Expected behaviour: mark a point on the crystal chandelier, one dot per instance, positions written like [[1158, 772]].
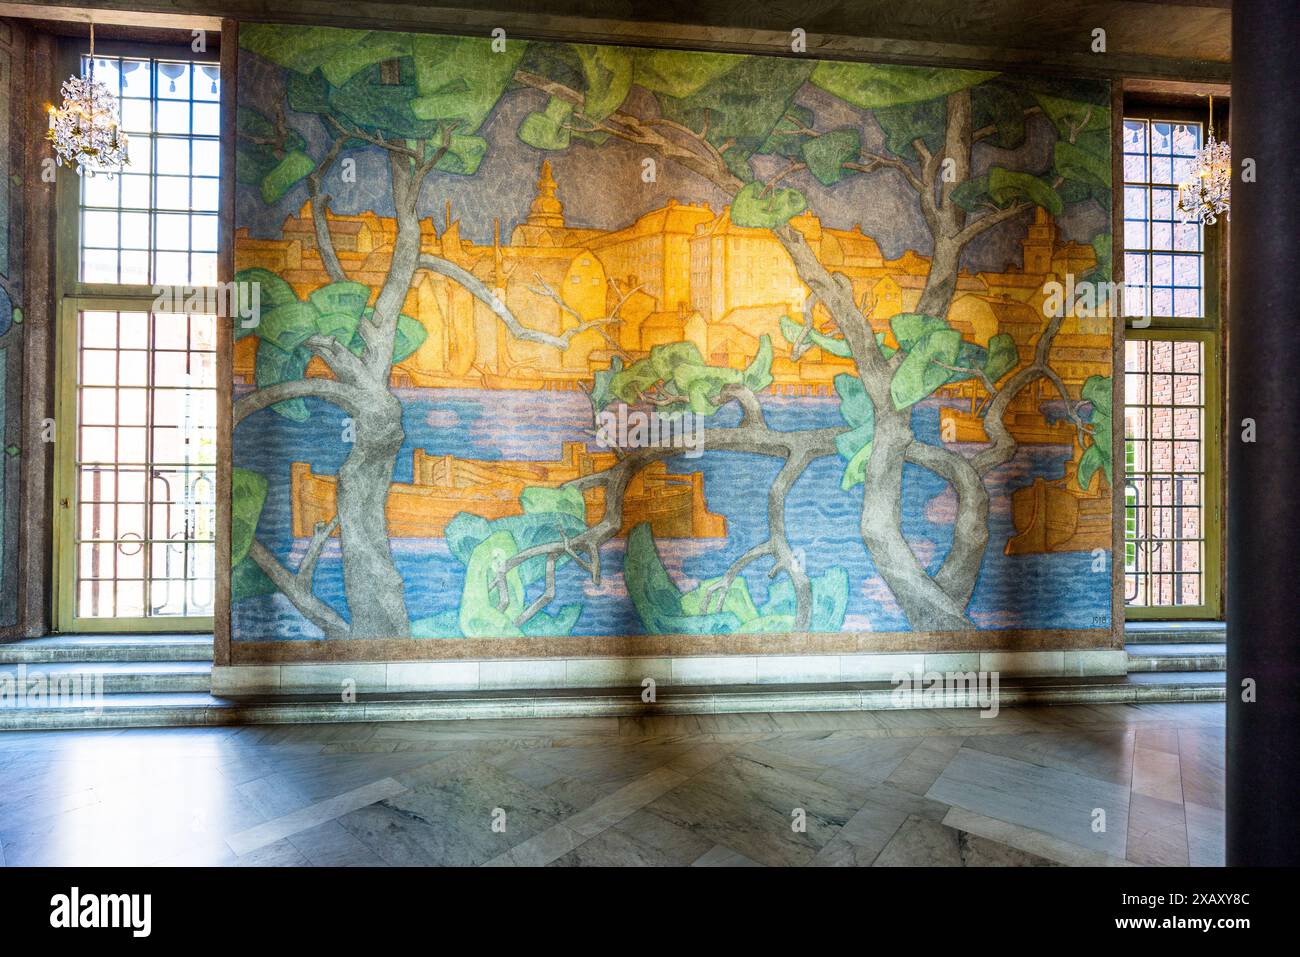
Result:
[[1208, 191], [84, 130]]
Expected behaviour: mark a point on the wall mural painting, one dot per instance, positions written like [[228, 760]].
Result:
[[563, 339]]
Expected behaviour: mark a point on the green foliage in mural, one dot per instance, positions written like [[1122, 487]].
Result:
[[871, 86], [550, 515], [764, 132], [247, 498], [678, 379], [481, 615], [334, 310], [421, 89], [759, 207], [936, 355], [1097, 390], [859, 414], [796, 331], [665, 609], [826, 155]]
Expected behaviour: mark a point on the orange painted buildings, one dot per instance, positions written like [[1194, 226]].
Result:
[[682, 272]]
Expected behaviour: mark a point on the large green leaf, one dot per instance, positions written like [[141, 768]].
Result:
[[553, 626], [548, 130], [1097, 390], [856, 465], [827, 154], [668, 357], [1010, 186], [466, 532], [608, 73], [273, 366], [460, 79], [308, 92], [909, 328], [855, 404], [854, 446], [247, 497], [288, 326], [922, 371], [410, 335], [1001, 104], [1102, 246], [704, 600], [287, 174], [338, 325], [262, 147], [871, 86], [247, 580], [830, 601], [539, 499], [758, 207], [1077, 163], [972, 194], [1068, 113], [702, 385], [272, 291], [338, 53], [758, 374], [680, 73], [345, 297], [656, 599], [1003, 356], [653, 593], [631, 383], [357, 53], [463, 156], [792, 331], [375, 105], [1092, 460], [743, 105], [788, 136], [602, 392], [904, 125], [479, 615]]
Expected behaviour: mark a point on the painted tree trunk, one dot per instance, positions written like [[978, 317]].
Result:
[[372, 583], [941, 283], [927, 606], [375, 592]]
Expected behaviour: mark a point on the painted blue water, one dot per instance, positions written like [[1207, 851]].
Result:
[[1024, 591]]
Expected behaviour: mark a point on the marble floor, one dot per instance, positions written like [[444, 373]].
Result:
[[1071, 785]]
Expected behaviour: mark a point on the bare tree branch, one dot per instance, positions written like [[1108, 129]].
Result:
[[328, 389], [320, 206], [480, 291], [313, 609]]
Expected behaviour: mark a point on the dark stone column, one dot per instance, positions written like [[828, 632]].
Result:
[[1263, 554]]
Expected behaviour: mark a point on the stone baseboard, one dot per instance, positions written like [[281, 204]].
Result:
[[555, 673]]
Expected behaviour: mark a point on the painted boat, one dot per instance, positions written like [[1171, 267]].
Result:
[[958, 425], [1058, 516], [443, 486]]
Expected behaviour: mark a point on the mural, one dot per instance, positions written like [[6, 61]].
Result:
[[559, 339]]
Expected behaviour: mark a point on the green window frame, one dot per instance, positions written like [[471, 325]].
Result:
[[165, 123], [1150, 170]]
